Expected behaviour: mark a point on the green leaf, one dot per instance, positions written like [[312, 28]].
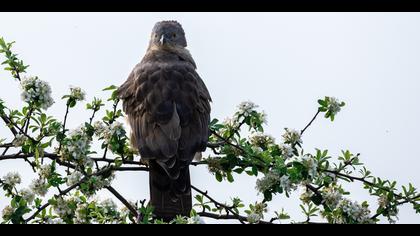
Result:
[[229, 176], [112, 87], [219, 177], [322, 102], [254, 170]]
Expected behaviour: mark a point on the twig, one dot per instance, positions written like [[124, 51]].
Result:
[[399, 203], [25, 126], [5, 151], [8, 123], [64, 125], [236, 216], [123, 200], [310, 122]]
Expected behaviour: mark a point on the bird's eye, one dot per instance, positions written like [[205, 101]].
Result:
[[173, 35]]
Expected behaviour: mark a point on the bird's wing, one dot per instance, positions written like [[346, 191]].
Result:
[[151, 113], [194, 110], [168, 110]]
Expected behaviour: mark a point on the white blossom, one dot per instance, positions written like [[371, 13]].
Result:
[[99, 128], [39, 187], [306, 196], [286, 184], [311, 164], [270, 179], [246, 108], [286, 150], [61, 208], [27, 194], [108, 205], [45, 171], [253, 218], [256, 213], [383, 201], [99, 182], [74, 178], [292, 136], [12, 179], [334, 105], [263, 117], [107, 132], [81, 214], [54, 221], [36, 91], [260, 139], [7, 212], [331, 197], [355, 211], [195, 220], [77, 146], [77, 93], [19, 140], [230, 122], [117, 128]]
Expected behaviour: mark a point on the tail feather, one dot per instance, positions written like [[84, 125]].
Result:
[[169, 197]]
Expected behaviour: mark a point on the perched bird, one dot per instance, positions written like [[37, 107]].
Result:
[[168, 109]]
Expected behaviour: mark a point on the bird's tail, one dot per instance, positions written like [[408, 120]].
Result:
[[169, 196]]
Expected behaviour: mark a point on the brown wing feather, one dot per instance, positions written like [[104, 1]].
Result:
[[169, 111]]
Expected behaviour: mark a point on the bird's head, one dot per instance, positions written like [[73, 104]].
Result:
[[168, 34]]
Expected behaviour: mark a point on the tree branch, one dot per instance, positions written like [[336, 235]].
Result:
[[123, 200], [310, 123]]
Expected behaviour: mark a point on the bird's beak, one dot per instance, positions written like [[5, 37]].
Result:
[[161, 39]]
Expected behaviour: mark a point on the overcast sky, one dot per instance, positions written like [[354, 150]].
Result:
[[283, 62]]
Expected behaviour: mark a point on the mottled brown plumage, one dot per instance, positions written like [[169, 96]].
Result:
[[168, 108]]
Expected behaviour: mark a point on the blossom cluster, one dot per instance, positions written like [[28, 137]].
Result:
[[77, 93], [292, 136], [331, 196], [28, 195], [12, 179], [310, 164], [287, 151], [116, 129], [76, 146], [286, 184], [61, 207], [334, 105], [392, 211], [7, 212], [19, 140], [260, 139], [256, 212], [246, 108], [356, 212], [74, 178], [272, 179], [37, 92], [267, 182], [39, 186], [95, 183], [45, 171]]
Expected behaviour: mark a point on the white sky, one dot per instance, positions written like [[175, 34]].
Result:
[[282, 61]]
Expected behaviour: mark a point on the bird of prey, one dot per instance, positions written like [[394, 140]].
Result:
[[168, 109]]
